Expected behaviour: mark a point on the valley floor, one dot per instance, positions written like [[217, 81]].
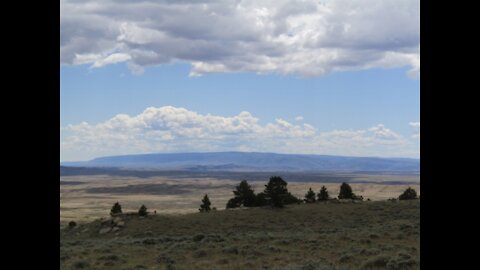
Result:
[[86, 198]]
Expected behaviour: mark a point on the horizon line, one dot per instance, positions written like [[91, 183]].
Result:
[[243, 152]]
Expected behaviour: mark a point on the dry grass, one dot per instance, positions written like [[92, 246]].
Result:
[[81, 200], [366, 235]]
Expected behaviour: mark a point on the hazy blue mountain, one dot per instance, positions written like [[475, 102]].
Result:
[[251, 161]]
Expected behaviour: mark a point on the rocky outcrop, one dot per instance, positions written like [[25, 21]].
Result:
[[112, 225]]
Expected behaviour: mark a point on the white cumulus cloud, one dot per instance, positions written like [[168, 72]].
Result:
[[302, 37], [416, 128], [174, 129], [111, 59], [414, 124]]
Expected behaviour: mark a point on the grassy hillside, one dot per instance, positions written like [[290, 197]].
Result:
[[364, 235]]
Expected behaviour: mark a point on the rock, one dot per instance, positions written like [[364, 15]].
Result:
[[121, 223], [117, 220], [105, 230], [115, 229]]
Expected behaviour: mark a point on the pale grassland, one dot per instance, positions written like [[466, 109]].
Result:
[[181, 196]]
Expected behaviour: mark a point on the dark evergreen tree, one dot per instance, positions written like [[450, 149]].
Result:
[[310, 196], [244, 195], [346, 192], [276, 191], [72, 224], [408, 194], [233, 203], [261, 199], [142, 211], [289, 199], [323, 194], [205, 206], [116, 209]]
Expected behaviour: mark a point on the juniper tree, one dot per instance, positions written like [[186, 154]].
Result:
[[346, 192], [323, 194], [142, 211], [233, 203], [244, 195], [289, 199], [205, 206], [261, 199], [116, 209], [408, 194], [310, 196], [276, 191]]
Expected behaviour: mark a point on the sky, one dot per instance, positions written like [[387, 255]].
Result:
[[338, 77]]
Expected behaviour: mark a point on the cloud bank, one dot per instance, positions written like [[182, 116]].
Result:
[[301, 37], [416, 128], [173, 129]]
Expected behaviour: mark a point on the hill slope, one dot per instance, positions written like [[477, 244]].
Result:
[[252, 161], [366, 235]]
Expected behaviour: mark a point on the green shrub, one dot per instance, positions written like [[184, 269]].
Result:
[[355, 197], [401, 261], [323, 194], [310, 196], [376, 262], [199, 254], [310, 265], [142, 211], [198, 237], [81, 265], [112, 257], [116, 209], [205, 206], [408, 194], [230, 250], [148, 241]]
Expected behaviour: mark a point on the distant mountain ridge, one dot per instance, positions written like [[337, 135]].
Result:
[[251, 161]]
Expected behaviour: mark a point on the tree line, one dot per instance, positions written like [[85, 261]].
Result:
[[275, 194]]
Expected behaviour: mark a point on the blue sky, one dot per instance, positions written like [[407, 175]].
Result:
[[340, 100], [137, 92]]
